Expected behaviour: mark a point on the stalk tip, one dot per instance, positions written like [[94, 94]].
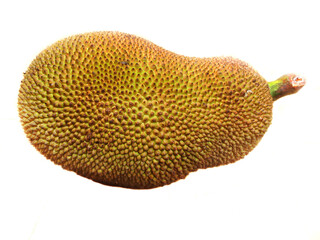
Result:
[[286, 85]]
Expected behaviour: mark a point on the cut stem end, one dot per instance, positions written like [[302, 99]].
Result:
[[286, 85]]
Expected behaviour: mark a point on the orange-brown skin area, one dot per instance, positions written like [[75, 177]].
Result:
[[122, 111]]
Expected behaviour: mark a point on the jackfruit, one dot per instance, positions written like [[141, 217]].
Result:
[[122, 111]]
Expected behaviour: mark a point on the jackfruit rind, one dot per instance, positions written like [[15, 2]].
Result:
[[122, 111]]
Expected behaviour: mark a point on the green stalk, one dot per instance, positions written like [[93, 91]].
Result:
[[285, 85]]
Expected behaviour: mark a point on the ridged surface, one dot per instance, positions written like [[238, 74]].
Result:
[[122, 111]]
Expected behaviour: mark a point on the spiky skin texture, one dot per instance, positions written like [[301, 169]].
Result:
[[119, 110]]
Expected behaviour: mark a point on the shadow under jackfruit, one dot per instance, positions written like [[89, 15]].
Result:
[[119, 110]]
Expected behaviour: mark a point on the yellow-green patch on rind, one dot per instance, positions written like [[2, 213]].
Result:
[[122, 111]]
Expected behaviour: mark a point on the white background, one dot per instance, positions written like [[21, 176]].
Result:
[[271, 194]]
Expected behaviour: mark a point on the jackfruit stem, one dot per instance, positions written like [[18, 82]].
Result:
[[286, 85]]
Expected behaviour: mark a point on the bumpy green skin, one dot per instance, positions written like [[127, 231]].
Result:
[[122, 111]]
